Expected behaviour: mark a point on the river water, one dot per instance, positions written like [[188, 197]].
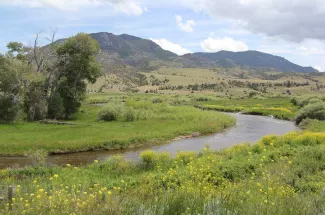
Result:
[[248, 129]]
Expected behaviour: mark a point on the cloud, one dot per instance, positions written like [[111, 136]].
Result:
[[173, 47], [318, 68], [129, 7], [227, 44], [187, 26], [293, 20]]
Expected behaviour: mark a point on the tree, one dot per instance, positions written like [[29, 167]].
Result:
[[49, 81], [34, 101], [18, 50], [76, 64], [11, 82]]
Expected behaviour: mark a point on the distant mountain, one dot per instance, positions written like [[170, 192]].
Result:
[[127, 52], [130, 50], [253, 59]]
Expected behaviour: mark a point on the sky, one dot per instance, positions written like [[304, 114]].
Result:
[[293, 29]]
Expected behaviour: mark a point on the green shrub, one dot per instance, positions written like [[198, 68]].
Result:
[[157, 100], [148, 157], [314, 101], [302, 101], [312, 111], [110, 113], [130, 114]]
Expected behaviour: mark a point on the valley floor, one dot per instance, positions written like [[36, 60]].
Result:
[[277, 175]]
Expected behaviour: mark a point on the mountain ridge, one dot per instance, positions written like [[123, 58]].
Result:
[[133, 52]]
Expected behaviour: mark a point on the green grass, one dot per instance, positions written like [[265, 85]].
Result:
[[267, 102], [280, 108], [278, 175], [161, 123]]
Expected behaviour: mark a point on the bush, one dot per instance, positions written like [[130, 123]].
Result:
[[130, 114], [110, 113], [37, 157], [302, 101], [312, 111], [148, 157], [157, 100], [314, 101]]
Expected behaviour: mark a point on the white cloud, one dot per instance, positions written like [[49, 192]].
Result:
[[318, 68], [186, 26], [293, 20], [173, 47], [227, 44], [129, 7], [306, 53]]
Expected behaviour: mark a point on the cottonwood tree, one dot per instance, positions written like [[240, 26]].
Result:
[[75, 64]]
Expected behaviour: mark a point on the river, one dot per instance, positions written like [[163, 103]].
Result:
[[248, 128]]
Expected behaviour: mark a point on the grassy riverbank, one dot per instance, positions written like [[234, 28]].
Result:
[[278, 175], [152, 122], [280, 108]]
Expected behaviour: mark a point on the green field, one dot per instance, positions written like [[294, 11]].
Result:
[[157, 124]]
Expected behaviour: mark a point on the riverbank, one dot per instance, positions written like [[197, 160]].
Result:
[[278, 175], [241, 132], [158, 123]]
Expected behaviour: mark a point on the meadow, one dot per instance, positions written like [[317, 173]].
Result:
[[150, 123], [277, 175]]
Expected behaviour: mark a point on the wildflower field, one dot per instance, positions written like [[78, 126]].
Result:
[[278, 175]]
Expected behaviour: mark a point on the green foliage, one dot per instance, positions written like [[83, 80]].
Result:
[[314, 101], [34, 99], [110, 113], [77, 64], [148, 157], [313, 125], [312, 111], [55, 107], [11, 85], [157, 100], [18, 50], [130, 114], [9, 110], [302, 101]]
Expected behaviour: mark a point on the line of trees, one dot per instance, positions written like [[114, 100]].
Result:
[[46, 82]]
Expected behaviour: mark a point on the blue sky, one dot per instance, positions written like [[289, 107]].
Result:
[[292, 29]]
